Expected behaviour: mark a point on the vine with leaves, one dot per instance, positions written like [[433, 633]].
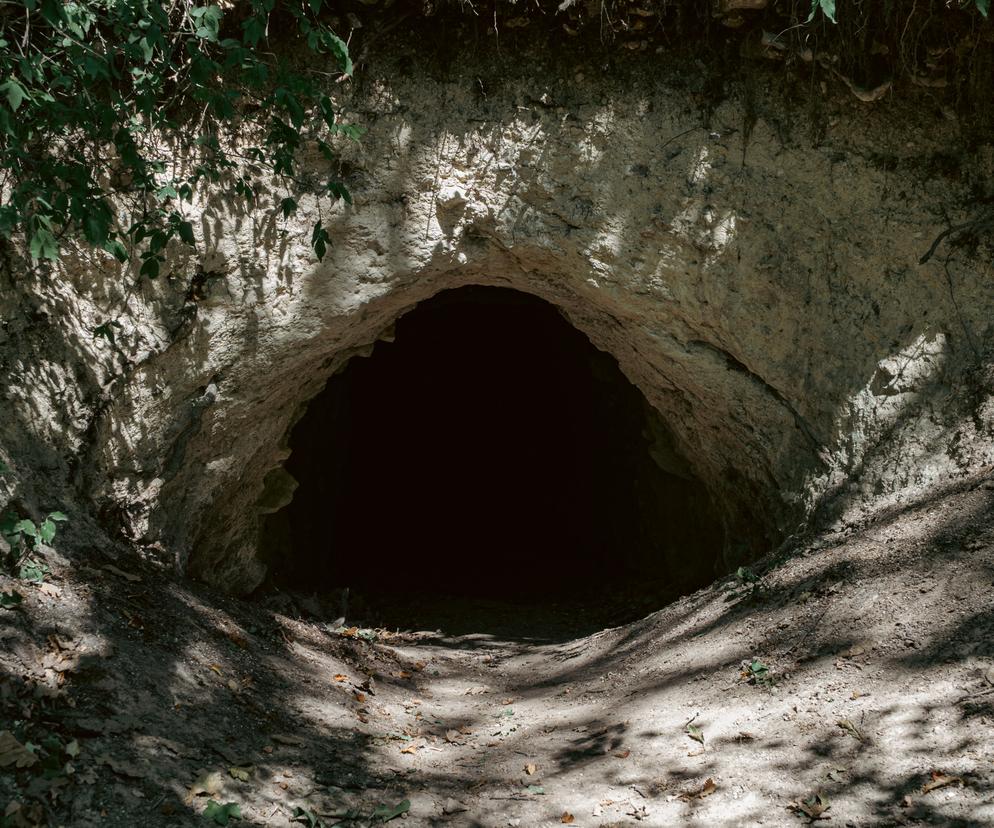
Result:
[[99, 98]]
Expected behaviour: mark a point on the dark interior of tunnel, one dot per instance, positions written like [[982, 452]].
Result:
[[489, 451]]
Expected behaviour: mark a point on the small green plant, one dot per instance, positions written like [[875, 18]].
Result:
[[222, 814], [308, 818], [25, 539], [10, 600], [757, 673], [827, 7]]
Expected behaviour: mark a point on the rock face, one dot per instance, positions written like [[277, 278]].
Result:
[[760, 287]]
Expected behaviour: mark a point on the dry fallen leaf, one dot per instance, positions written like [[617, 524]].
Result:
[[237, 638], [813, 806], [836, 774], [475, 691], [14, 753], [340, 677], [567, 818], [623, 754], [708, 788], [121, 767], [128, 576], [359, 697], [530, 769], [215, 667], [940, 780], [241, 774], [409, 749], [403, 674], [454, 737]]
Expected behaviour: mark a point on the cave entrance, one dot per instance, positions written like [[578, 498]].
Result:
[[489, 452]]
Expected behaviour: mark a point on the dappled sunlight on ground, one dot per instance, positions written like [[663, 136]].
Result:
[[858, 666]]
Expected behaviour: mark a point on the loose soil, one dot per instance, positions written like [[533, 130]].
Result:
[[858, 666]]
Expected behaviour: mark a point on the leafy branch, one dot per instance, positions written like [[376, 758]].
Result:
[[100, 99]]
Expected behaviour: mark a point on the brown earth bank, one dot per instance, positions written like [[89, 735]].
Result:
[[849, 680], [772, 290]]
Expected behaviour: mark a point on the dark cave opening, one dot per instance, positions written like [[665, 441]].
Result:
[[489, 451]]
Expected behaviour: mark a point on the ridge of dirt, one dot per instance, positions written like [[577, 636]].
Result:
[[859, 668]]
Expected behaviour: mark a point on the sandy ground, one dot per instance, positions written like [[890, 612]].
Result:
[[857, 667]]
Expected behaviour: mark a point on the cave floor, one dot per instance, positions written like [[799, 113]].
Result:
[[858, 667]]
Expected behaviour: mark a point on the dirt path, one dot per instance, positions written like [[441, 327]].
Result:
[[860, 667]]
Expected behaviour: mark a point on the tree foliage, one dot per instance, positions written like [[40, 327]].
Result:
[[114, 112]]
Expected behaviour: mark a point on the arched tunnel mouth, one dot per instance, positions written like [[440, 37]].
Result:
[[488, 460]]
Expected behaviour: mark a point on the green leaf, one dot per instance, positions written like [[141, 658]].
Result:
[[384, 813], [46, 531], [26, 527], [150, 267], [338, 190], [15, 93], [186, 233], [340, 50], [106, 330], [222, 814], [116, 249], [695, 733], [319, 240], [33, 571], [307, 817], [350, 131], [288, 206], [827, 7], [44, 245], [95, 228], [983, 6], [58, 516], [10, 600]]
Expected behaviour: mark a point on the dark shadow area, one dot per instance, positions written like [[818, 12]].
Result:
[[490, 451]]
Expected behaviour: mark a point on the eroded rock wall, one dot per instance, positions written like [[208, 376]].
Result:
[[761, 287]]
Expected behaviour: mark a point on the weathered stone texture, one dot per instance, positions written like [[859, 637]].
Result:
[[768, 303]]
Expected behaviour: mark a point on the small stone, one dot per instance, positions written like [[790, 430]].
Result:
[[452, 806]]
